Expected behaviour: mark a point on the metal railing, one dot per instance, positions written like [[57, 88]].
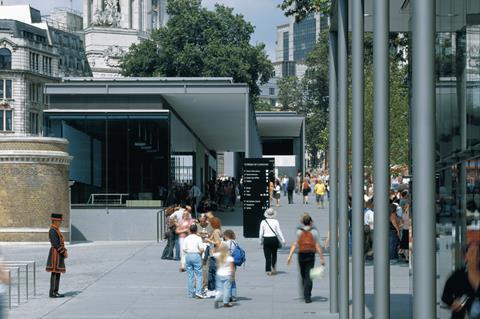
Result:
[[106, 199], [18, 265], [161, 224]]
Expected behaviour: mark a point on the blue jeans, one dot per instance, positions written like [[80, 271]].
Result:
[[193, 265], [177, 247], [223, 289]]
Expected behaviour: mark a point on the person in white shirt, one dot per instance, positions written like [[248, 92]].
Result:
[[368, 228], [193, 248], [271, 237], [225, 270]]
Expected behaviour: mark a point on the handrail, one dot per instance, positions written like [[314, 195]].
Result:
[[117, 201], [10, 283], [34, 271], [160, 224]]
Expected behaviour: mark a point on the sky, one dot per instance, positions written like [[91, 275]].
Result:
[[263, 14]]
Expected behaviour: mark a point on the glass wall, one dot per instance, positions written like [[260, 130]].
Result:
[[458, 135], [117, 156], [304, 37]]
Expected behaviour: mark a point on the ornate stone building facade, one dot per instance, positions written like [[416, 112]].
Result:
[[32, 53], [112, 26]]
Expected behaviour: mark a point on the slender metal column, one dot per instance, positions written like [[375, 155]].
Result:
[[333, 182], [343, 158], [423, 159], [358, 262], [381, 136]]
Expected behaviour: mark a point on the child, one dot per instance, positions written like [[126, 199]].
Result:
[[229, 237], [224, 276]]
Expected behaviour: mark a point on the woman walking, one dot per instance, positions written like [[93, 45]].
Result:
[[225, 270], [305, 190], [271, 237], [307, 243]]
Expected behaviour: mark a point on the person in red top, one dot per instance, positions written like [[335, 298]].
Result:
[[56, 255]]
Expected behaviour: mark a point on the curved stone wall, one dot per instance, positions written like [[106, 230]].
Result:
[[33, 184]]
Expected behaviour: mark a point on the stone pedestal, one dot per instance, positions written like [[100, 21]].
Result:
[[34, 174]]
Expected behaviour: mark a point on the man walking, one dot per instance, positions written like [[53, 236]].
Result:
[[308, 243], [56, 255], [290, 189]]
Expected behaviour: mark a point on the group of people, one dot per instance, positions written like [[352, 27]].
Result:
[[204, 252], [307, 243], [399, 226], [318, 183], [210, 259]]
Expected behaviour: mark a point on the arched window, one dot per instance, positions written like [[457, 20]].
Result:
[[5, 59]]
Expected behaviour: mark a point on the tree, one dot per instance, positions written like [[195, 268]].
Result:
[[198, 42], [301, 8]]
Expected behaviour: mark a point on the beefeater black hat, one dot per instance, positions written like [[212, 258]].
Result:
[[57, 217]]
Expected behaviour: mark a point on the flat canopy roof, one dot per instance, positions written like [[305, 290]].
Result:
[[214, 108], [279, 124]]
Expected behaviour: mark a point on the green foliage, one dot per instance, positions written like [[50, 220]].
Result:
[[262, 106], [301, 8], [198, 42]]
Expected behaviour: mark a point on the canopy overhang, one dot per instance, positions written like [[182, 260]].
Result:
[[215, 109]]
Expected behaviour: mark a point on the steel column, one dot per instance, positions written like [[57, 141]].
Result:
[[381, 147], [358, 262], [423, 159], [343, 158], [332, 166]]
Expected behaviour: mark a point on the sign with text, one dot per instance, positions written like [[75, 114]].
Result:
[[256, 174]]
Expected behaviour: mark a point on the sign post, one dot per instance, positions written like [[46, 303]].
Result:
[[256, 174]]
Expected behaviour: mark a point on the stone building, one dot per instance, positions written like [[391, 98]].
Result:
[[32, 53], [112, 26]]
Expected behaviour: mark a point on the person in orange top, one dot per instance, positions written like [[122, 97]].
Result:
[[56, 255]]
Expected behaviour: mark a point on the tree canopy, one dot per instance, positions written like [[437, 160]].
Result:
[[198, 42]]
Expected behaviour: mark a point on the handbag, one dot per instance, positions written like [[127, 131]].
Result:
[[279, 243]]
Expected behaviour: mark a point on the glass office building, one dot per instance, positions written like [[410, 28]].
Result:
[[457, 63]]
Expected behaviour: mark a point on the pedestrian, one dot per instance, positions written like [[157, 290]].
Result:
[[170, 237], [56, 255], [193, 248], [229, 240], [461, 291], [194, 194], [214, 242], [305, 190], [225, 270], [320, 191], [290, 189], [182, 230], [271, 237], [277, 191], [285, 185], [394, 231], [307, 243]]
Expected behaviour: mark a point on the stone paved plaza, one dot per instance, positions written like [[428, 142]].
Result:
[[129, 280]]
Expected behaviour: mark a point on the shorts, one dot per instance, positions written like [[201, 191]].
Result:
[[319, 198], [277, 195]]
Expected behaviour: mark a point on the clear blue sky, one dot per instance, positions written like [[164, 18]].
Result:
[[263, 14]]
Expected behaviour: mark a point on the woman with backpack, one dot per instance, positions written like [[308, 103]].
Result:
[[271, 237], [229, 239], [308, 243], [305, 190]]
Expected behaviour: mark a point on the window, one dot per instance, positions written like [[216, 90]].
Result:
[[271, 91], [34, 123], [273, 102], [35, 92], [5, 59], [6, 118], [33, 59], [5, 89], [47, 65]]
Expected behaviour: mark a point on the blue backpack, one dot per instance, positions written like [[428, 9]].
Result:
[[238, 254]]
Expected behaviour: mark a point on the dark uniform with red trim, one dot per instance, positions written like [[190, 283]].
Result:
[[56, 256]]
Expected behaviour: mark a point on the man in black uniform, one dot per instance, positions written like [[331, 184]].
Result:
[[56, 256]]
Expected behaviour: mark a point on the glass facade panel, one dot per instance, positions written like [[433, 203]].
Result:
[[457, 136], [117, 157], [8, 120], [304, 36], [286, 52]]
